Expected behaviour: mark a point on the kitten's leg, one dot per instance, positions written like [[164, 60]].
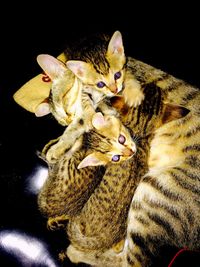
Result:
[[132, 91], [48, 145], [69, 137], [73, 131]]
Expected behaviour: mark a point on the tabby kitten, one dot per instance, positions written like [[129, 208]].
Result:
[[165, 208], [100, 228], [69, 184], [100, 72]]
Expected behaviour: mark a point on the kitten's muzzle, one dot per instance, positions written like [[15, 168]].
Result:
[[127, 152], [113, 88]]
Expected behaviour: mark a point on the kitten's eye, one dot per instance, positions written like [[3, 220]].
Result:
[[101, 84], [116, 158], [117, 75], [122, 139]]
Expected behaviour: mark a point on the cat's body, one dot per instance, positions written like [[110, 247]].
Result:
[[99, 68], [69, 183], [165, 208]]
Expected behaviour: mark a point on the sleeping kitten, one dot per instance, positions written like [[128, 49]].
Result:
[[69, 183]]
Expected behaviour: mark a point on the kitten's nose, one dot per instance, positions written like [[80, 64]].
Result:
[[128, 152], [113, 88]]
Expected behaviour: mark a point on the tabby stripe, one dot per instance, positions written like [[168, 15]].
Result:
[[193, 132], [193, 161], [190, 96], [70, 163], [138, 115], [184, 184], [174, 85], [188, 173], [140, 259], [141, 220], [140, 241], [163, 223], [195, 147], [150, 180], [129, 260], [136, 205], [190, 217], [168, 209], [163, 77]]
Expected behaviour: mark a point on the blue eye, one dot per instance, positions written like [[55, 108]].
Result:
[[100, 84], [116, 158], [117, 75], [122, 139]]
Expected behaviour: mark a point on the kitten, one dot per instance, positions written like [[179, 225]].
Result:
[[69, 183], [100, 61], [100, 71], [71, 103], [165, 206]]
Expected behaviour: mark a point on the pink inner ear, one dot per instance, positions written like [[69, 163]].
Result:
[[116, 44], [77, 67], [90, 160], [50, 65], [42, 110], [98, 120]]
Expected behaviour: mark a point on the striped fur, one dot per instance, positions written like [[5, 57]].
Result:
[[165, 208], [68, 186]]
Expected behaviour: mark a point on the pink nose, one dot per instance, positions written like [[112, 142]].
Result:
[[128, 152], [113, 88]]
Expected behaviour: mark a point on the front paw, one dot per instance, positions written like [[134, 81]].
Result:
[[56, 152], [133, 94]]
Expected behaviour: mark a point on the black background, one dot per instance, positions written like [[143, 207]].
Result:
[[165, 35]]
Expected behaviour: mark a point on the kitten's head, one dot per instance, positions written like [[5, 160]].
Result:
[[110, 141], [106, 72], [62, 82]]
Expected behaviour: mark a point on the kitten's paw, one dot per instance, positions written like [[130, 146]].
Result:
[[133, 94], [56, 152], [62, 256], [57, 222], [48, 146]]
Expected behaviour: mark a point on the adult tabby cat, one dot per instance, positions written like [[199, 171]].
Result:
[[99, 68], [165, 208], [69, 184]]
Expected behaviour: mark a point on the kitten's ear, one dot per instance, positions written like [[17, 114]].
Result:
[[98, 120], [42, 109], [51, 65], [116, 44], [92, 159], [173, 112], [79, 68]]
